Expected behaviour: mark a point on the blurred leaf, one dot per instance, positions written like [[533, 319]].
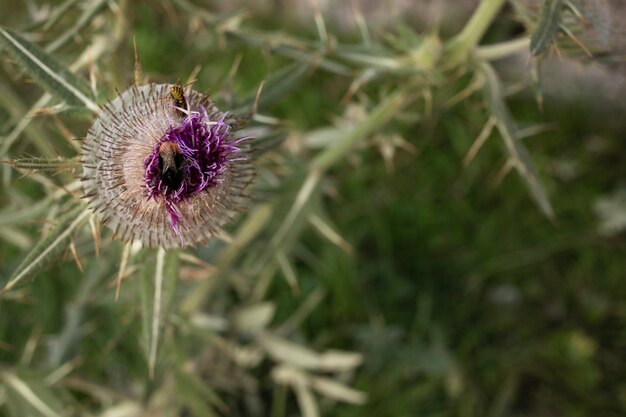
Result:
[[285, 351], [254, 318], [299, 381], [44, 164], [306, 401], [14, 236], [276, 86], [611, 209], [57, 13], [63, 344], [547, 27], [157, 292], [30, 397], [337, 391], [24, 213], [324, 136], [12, 103], [124, 409], [295, 218], [517, 152], [46, 71], [90, 12], [377, 118], [303, 382], [196, 395], [48, 246]]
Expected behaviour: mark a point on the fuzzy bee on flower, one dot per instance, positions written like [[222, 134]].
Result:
[[165, 166]]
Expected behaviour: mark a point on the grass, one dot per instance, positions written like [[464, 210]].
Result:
[[461, 296]]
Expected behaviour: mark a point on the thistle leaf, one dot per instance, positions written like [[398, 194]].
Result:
[[157, 292], [547, 27], [44, 164], [46, 71], [517, 152], [48, 246]]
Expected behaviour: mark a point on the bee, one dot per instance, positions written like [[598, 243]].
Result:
[[177, 95], [171, 165]]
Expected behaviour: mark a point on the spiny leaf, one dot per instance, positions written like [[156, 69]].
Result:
[[517, 152], [158, 288], [43, 164], [48, 246], [46, 71], [590, 29], [547, 27]]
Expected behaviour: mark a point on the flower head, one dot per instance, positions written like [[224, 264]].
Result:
[[165, 171]]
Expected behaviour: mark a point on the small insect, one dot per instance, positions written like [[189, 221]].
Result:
[[177, 94], [171, 165]]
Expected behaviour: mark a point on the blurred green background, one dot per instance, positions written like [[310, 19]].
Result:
[[462, 297]]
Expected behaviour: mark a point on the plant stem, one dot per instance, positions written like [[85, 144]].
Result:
[[474, 30], [503, 49]]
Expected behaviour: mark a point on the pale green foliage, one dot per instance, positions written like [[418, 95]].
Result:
[[205, 340]]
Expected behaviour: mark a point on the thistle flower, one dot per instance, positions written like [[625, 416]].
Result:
[[165, 171]]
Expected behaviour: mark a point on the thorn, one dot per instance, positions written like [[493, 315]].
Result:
[[122, 270], [480, 140], [138, 72], [504, 171], [193, 76], [95, 233], [577, 41], [92, 78], [75, 255], [360, 22], [319, 23], [258, 96], [232, 73], [558, 53]]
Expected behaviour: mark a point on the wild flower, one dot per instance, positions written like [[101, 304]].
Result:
[[162, 174]]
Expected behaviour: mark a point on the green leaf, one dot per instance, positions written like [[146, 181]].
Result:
[[277, 86], [517, 152], [197, 395], [22, 213], [377, 118], [51, 244], [51, 75], [88, 15], [547, 27], [30, 396], [44, 164], [157, 294]]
